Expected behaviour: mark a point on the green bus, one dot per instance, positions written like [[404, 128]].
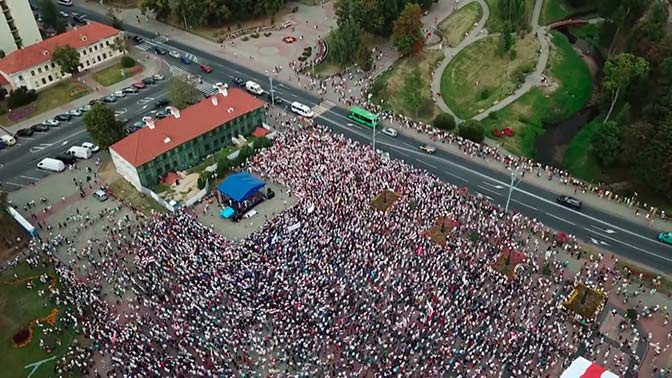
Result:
[[364, 117]]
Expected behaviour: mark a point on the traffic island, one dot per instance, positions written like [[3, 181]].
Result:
[[384, 200], [586, 303], [507, 261], [441, 229]]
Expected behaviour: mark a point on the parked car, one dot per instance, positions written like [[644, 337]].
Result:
[[175, 54], [569, 202], [24, 132], [51, 123], [119, 94], [66, 158], [2, 145], [79, 152], [185, 60], [52, 165], [160, 115], [161, 103], [390, 132], [428, 149], [149, 81], [85, 108], [100, 195], [158, 77], [275, 97], [109, 99], [665, 237], [137, 39], [205, 68], [80, 19], [64, 14], [139, 85], [160, 50], [96, 101], [91, 146], [8, 140], [130, 90], [40, 128], [238, 82], [65, 117], [75, 113]]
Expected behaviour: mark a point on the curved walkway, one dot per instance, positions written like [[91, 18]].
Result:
[[532, 80]]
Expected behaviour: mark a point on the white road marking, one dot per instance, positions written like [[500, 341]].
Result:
[[456, 176], [496, 186], [561, 219], [524, 204], [425, 163], [409, 145], [15, 184], [607, 230], [489, 190], [598, 242], [30, 178], [485, 195], [629, 245]]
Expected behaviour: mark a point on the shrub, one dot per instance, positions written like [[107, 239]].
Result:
[[308, 49], [306, 54], [484, 94], [444, 121], [201, 182], [302, 58], [21, 96], [267, 34], [245, 38], [3, 110], [127, 62], [472, 130], [255, 35], [3, 92]]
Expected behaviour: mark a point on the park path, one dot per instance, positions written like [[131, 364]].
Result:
[[532, 80]]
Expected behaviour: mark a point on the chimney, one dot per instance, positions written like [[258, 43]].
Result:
[[214, 100], [223, 89], [166, 140], [150, 123], [174, 111], [230, 110]]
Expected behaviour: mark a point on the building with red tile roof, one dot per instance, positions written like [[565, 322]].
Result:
[[32, 67], [186, 137]]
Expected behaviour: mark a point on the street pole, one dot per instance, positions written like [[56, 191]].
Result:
[[514, 175], [270, 78], [374, 127]]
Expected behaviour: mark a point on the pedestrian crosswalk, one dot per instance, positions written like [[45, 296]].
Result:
[[144, 46], [206, 88], [322, 108]]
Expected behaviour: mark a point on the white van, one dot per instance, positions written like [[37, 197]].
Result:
[[253, 87], [79, 152], [53, 165], [67, 3], [8, 140], [302, 110]]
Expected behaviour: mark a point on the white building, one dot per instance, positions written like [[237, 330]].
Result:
[[17, 25], [32, 66]]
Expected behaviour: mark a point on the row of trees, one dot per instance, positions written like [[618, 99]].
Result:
[[375, 16], [211, 12]]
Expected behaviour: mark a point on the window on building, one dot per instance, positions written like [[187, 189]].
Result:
[[90, 49], [39, 69], [95, 47], [104, 55], [51, 78], [44, 81], [87, 63], [20, 77], [99, 59]]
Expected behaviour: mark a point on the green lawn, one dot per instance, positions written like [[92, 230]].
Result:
[[495, 22], [114, 74], [573, 86], [48, 99], [460, 22], [478, 77], [19, 307], [579, 159], [398, 92], [557, 10]]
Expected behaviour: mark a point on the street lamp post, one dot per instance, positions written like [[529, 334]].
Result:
[[374, 127], [514, 176], [270, 78]]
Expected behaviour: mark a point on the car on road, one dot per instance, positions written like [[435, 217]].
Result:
[[65, 117], [137, 39], [390, 132], [139, 85], [64, 14], [149, 80], [40, 128], [161, 114], [96, 101], [109, 99], [130, 90], [51, 123], [91, 146], [185, 60], [238, 82], [205, 68], [66, 158], [161, 103], [428, 149], [85, 108], [158, 77], [80, 19], [8, 140], [275, 97], [665, 237], [75, 113], [24, 132], [175, 54], [100, 195], [160, 50], [67, 3], [569, 202], [119, 94]]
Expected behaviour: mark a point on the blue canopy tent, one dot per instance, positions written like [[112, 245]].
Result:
[[240, 186]]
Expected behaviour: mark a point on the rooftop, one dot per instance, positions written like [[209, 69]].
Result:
[[146, 144], [40, 52]]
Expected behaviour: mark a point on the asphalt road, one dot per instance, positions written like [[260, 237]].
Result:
[[595, 226]]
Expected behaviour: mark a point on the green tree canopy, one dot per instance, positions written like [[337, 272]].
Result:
[[102, 126], [513, 12], [182, 93], [606, 143], [67, 58], [346, 43], [51, 16], [160, 7], [472, 130], [407, 33], [444, 121], [619, 72]]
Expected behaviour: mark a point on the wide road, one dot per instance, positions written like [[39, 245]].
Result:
[[592, 225]]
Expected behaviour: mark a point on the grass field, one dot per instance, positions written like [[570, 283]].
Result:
[[527, 115], [404, 97], [495, 22], [579, 160], [19, 307], [50, 98], [9, 231], [557, 10], [479, 76], [460, 22], [115, 73]]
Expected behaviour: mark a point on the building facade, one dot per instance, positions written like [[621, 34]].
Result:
[[186, 138], [33, 68], [18, 27]]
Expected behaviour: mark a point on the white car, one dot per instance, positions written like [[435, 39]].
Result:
[[75, 113], [118, 94], [84, 108], [390, 132], [64, 14], [92, 147], [175, 54], [51, 122], [428, 149], [130, 90], [158, 77]]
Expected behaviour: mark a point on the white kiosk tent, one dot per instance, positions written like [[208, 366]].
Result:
[[582, 368]]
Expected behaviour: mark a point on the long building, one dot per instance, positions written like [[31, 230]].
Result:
[[33, 68], [186, 137], [18, 27]]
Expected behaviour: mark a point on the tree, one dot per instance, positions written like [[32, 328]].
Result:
[[20, 96], [407, 33], [621, 13], [120, 44], [103, 126], [619, 72], [67, 58], [346, 43], [182, 93], [653, 162], [114, 20], [160, 7], [472, 130], [51, 16], [506, 39], [3, 93], [411, 91], [444, 121], [513, 12], [606, 143]]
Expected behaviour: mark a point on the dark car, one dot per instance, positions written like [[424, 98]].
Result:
[[161, 103], [275, 98], [66, 158], [160, 50], [160, 115], [80, 19], [569, 202], [137, 39], [40, 128], [97, 101], [149, 81], [109, 99], [24, 132], [238, 82], [63, 117], [32, 6]]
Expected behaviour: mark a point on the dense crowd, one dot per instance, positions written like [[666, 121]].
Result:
[[329, 287]]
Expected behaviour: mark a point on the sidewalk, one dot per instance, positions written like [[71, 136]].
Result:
[[152, 66]]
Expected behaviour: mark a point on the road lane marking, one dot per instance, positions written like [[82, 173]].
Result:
[[15, 184], [30, 178], [496, 186], [457, 177], [629, 245], [607, 230], [561, 219], [489, 190], [524, 204], [425, 163], [484, 195]]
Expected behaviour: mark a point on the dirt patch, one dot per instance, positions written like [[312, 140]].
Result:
[[585, 302], [442, 227], [507, 262], [12, 238], [384, 200], [23, 337]]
